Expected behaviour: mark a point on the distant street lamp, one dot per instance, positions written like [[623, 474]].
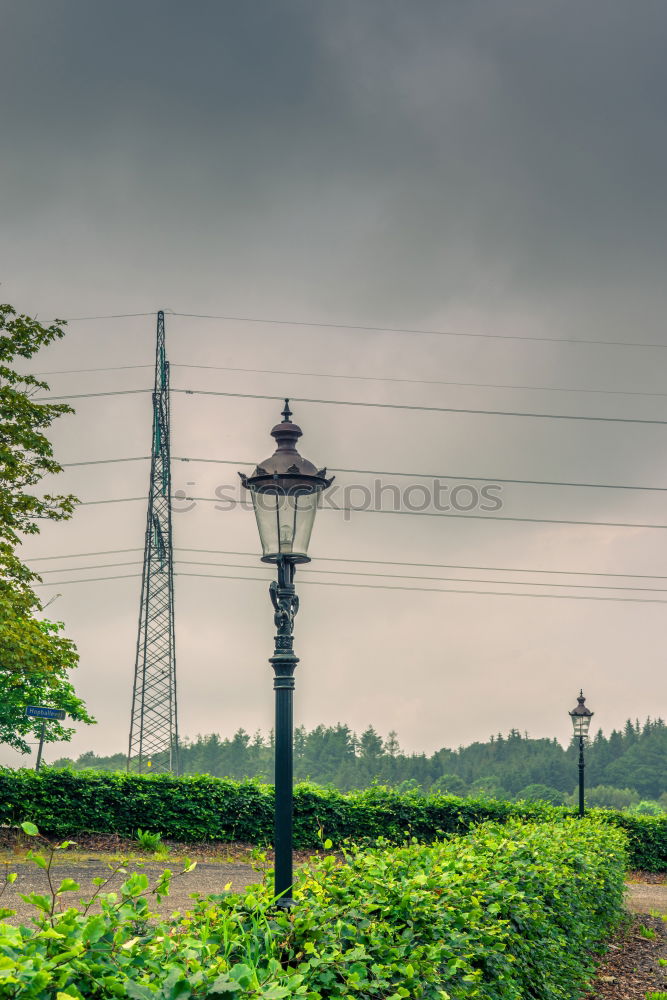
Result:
[[581, 720], [285, 490]]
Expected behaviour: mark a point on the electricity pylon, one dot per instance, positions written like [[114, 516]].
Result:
[[153, 745]]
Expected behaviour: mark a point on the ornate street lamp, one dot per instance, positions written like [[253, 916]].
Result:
[[285, 491], [581, 720]]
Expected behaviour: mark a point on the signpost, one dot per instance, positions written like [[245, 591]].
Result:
[[39, 712]]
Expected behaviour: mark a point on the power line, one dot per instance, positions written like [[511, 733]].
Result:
[[407, 576], [94, 503], [386, 472], [368, 562], [367, 328], [94, 579], [105, 461], [79, 319], [82, 371], [424, 409], [425, 565], [441, 590], [416, 331], [365, 378], [388, 576], [422, 381], [92, 395], [414, 513], [375, 586], [447, 475], [81, 555], [355, 402], [73, 569]]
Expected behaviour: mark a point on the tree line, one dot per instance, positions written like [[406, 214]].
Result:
[[621, 769]]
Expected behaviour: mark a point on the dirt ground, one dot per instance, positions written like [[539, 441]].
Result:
[[631, 969]]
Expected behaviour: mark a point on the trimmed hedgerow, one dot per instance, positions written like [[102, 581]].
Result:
[[507, 912], [200, 807]]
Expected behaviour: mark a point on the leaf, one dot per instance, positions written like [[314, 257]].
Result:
[[328, 844], [39, 859], [243, 975], [11, 878], [41, 902], [67, 885], [30, 829], [93, 930], [223, 984], [137, 992]]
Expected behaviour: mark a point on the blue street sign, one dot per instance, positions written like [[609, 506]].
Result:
[[38, 712]]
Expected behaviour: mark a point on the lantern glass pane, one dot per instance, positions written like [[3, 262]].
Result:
[[581, 724], [285, 522]]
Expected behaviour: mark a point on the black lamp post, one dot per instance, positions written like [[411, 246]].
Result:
[[285, 490], [581, 720]]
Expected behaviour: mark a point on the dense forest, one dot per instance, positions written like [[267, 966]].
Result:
[[621, 769]]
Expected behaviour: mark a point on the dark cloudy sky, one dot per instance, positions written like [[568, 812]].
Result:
[[487, 169]]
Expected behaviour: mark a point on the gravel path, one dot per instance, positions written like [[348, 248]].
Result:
[[209, 877], [643, 897]]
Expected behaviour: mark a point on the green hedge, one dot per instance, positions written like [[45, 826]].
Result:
[[199, 807], [508, 912]]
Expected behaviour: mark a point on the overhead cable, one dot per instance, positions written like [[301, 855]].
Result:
[[441, 590], [413, 513], [368, 562], [387, 472], [416, 331], [425, 579], [375, 586], [355, 402], [364, 378], [365, 328]]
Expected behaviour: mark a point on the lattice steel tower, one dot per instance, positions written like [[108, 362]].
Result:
[[153, 745]]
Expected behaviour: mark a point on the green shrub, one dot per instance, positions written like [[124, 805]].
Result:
[[606, 797], [150, 841], [506, 913], [647, 807], [200, 807], [541, 793]]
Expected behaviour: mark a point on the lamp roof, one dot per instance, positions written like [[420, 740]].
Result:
[[580, 708], [286, 462]]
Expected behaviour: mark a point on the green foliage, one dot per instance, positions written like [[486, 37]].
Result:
[[150, 841], [541, 793], [646, 808], [503, 767], [35, 659], [505, 913], [199, 808], [607, 797], [26, 455]]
